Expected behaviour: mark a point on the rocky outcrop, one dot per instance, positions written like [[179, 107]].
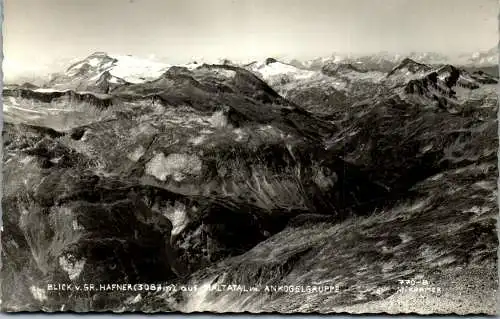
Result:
[[271, 60]]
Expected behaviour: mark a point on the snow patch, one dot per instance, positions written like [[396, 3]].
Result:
[[275, 69], [405, 238], [324, 181], [133, 299], [205, 131], [38, 293], [72, 266], [240, 135], [137, 70], [224, 73], [477, 210], [200, 300], [75, 68], [490, 186], [114, 80], [48, 90], [417, 206], [218, 119], [197, 140], [179, 166], [94, 62], [191, 66], [427, 148], [436, 177], [76, 225], [178, 217], [136, 154]]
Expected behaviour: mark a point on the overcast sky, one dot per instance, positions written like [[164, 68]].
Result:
[[41, 33]]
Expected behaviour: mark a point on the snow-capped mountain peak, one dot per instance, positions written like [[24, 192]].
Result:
[[271, 68], [409, 67], [95, 62], [126, 67]]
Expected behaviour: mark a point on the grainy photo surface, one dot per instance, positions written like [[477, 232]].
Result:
[[228, 156]]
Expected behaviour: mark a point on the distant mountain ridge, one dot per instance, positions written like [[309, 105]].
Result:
[[343, 82], [385, 61], [135, 70], [103, 73]]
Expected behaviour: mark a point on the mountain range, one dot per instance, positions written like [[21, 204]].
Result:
[[353, 173]]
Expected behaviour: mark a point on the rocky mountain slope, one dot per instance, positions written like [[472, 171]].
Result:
[[266, 174]]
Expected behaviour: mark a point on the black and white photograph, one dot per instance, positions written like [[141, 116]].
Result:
[[250, 156]]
